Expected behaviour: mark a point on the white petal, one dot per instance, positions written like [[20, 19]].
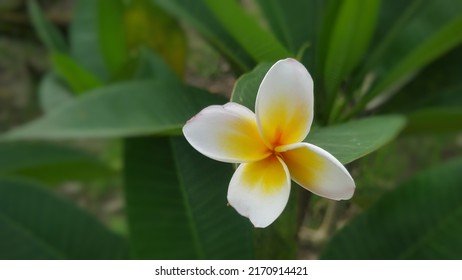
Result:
[[318, 171], [226, 133], [260, 190], [284, 105]]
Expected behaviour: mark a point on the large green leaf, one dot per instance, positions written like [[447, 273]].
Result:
[[418, 220], [295, 23], [77, 77], [48, 34], [176, 203], [84, 38], [196, 14], [259, 43], [49, 163], [349, 38], [124, 109], [355, 139], [35, 224]]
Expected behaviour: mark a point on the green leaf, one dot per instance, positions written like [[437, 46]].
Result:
[[111, 33], [84, 38], [447, 38], [52, 93], [418, 220], [260, 44], [151, 66], [434, 120], [438, 85], [35, 224], [327, 24], [78, 78], [428, 31], [349, 38], [48, 34], [197, 15], [393, 14], [49, 163], [295, 23], [246, 87], [352, 140], [124, 109], [176, 203]]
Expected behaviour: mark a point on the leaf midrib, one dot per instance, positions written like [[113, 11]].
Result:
[[429, 233], [189, 212]]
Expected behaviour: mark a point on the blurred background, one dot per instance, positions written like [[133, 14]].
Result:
[[25, 60], [88, 172]]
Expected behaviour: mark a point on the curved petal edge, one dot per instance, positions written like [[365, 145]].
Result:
[[318, 171], [260, 190], [284, 105], [226, 133]]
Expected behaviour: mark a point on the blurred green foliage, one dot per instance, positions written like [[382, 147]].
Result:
[[383, 70]]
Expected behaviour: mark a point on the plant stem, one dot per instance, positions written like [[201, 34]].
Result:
[[330, 219]]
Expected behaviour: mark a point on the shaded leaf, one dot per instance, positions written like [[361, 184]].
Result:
[[349, 38], [435, 46], [438, 85], [246, 87], [84, 38], [260, 44], [418, 220], [176, 203], [112, 39], [124, 109], [435, 120], [327, 24], [151, 66], [78, 78], [49, 163], [35, 224], [52, 93], [295, 23], [48, 34], [195, 13], [427, 31]]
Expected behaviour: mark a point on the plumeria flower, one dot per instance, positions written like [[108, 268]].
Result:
[[268, 145]]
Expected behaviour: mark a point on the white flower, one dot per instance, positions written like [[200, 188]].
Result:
[[268, 145]]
